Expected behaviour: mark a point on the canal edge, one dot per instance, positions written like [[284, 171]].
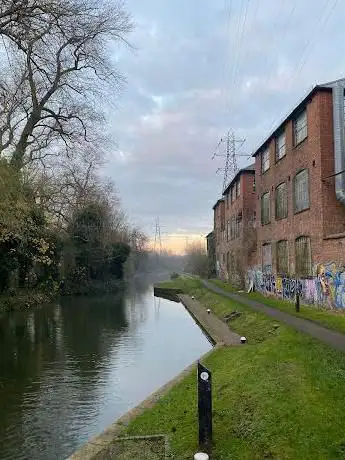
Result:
[[219, 335], [99, 442]]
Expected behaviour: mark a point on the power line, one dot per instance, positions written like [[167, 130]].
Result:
[[158, 238], [230, 167]]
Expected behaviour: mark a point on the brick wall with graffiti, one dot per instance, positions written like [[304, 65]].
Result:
[[325, 288]]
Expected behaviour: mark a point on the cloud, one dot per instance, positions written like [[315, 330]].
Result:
[[199, 69]]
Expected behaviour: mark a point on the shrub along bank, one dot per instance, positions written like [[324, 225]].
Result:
[[279, 396]]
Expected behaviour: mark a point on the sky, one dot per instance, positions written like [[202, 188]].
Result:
[[198, 68]]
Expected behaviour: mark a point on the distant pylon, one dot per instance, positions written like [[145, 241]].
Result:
[[230, 168], [158, 239]]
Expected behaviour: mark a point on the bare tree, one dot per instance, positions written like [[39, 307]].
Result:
[[59, 68]]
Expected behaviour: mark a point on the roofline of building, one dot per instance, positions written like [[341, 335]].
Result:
[[218, 201], [247, 170], [210, 234], [292, 114]]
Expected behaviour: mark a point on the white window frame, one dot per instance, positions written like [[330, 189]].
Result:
[[265, 160], [280, 146], [300, 127]]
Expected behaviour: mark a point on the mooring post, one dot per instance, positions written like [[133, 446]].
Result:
[[297, 302], [205, 406]]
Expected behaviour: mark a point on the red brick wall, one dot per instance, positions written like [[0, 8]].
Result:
[[326, 215]]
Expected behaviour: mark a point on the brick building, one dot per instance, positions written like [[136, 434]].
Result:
[[235, 217], [300, 194], [211, 254], [219, 233]]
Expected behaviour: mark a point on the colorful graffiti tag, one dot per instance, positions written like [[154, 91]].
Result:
[[326, 287]]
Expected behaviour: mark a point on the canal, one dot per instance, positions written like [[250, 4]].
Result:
[[68, 370]]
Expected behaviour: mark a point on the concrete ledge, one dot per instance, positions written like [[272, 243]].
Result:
[[217, 330], [96, 444]]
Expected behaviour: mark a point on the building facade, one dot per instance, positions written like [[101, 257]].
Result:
[[237, 242], [211, 254], [281, 223], [300, 202]]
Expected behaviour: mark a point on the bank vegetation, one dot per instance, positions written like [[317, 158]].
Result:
[[61, 221]]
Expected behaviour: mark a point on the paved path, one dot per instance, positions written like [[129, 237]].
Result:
[[216, 329], [332, 338]]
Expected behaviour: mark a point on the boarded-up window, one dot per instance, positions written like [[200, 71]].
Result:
[[300, 127], [303, 256], [281, 201], [282, 257], [267, 258], [301, 191], [265, 208]]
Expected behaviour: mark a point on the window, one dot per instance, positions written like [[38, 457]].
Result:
[[281, 201], [267, 258], [300, 127], [233, 227], [265, 160], [280, 146], [232, 194], [238, 188], [265, 208], [238, 225], [228, 230], [282, 257], [301, 191], [303, 256]]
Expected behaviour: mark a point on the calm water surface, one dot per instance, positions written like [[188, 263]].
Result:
[[70, 369]]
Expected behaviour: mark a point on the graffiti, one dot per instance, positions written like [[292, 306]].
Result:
[[291, 288], [326, 288]]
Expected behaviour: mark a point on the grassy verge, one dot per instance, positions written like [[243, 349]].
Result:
[[332, 319], [278, 397]]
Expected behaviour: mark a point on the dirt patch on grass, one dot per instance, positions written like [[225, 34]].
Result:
[[143, 447]]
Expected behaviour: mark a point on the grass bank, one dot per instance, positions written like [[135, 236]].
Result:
[[279, 397], [330, 318]]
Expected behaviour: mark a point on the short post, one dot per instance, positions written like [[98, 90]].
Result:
[[205, 406], [297, 302]]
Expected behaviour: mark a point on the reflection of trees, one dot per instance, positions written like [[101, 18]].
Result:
[[51, 364]]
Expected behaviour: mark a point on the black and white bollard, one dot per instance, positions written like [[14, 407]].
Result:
[[204, 407], [243, 340], [208, 311]]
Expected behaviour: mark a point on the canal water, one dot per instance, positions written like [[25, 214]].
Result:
[[68, 370]]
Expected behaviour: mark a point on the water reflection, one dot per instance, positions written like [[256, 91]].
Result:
[[69, 369]]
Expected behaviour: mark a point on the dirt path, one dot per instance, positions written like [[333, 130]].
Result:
[[332, 338]]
